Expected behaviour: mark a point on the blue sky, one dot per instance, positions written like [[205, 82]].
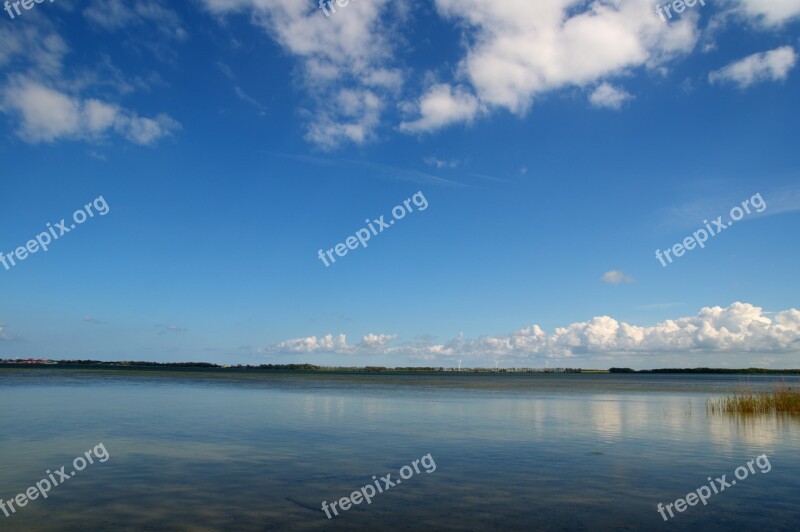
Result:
[[558, 145]]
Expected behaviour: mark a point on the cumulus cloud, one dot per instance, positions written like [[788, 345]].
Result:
[[606, 95], [442, 105], [46, 105], [515, 52], [767, 12], [3, 335], [353, 121], [345, 60], [519, 50], [46, 115], [740, 328], [616, 277], [369, 344], [766, 66]]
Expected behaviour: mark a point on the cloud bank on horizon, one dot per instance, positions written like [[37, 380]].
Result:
[[740, 328]]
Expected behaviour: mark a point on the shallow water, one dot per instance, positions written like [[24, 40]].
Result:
[[223, 451]]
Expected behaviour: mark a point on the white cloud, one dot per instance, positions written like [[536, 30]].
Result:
[[369, 344], [520, 49], [738, 329], [345, 59], [768, 12], [766, 66], [100, 115], [46, 106], [606, 95], [441, 106], [354, 120], [616, 277], [146, 131], [41, 47], [3, 335], [376, 340], [515, 52], [47, 115]]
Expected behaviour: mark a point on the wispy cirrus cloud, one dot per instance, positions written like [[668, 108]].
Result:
[[690, 214], [113, 15], [377, 170], [262, 111]]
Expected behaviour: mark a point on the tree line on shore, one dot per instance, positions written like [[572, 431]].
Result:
[[381, 369]]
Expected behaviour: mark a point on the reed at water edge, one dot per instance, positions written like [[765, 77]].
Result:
[[781, 400]]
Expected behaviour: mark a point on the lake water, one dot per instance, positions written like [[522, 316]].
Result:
[[218, 451]]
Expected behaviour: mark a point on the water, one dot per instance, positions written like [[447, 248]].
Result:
[[216, 451]]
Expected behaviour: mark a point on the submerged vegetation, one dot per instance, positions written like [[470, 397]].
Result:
[[781, 400]]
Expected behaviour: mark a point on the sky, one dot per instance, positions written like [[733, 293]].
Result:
[[230, 150]]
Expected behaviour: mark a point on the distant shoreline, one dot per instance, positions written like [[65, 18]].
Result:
[[311, 368]]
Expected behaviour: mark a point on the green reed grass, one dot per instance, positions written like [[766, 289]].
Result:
[[781, 400]]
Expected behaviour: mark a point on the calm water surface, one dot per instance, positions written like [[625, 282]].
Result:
[[215, 451]]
